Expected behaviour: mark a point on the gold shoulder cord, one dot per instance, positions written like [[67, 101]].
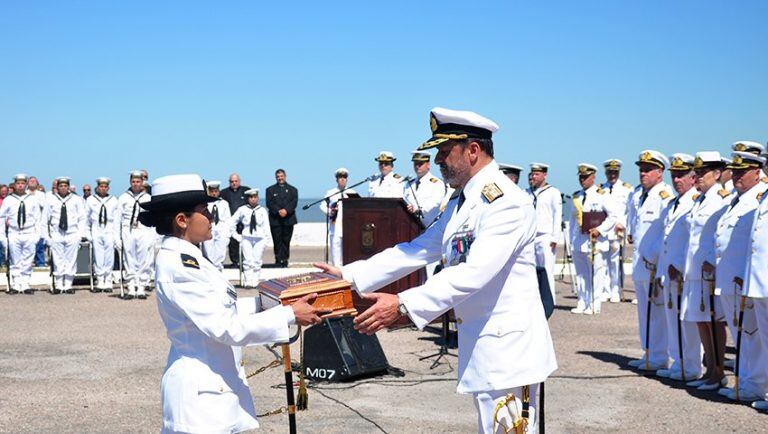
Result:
[[520, 423]]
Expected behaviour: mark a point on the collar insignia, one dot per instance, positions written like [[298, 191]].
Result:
[[189, 261]]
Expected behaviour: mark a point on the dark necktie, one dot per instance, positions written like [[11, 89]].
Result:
[[418, 182], [381, 179], [677, 202], [252, 225], [610, 189], [135, 215], [103, 215], [584, 198], [63, 224], [643, 197], [215, 214], [21, 219], [734, 202], [462, 198]]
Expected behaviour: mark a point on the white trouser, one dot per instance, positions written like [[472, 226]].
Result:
[[658, 354], [103, 254], [64, 248], [216, 249], [335, 250], [761, 314], [688, 332], [545, 257], [138, 248], [753, 378], [589, 299], [614, 270], [485, 403], [253, 250], [22, 249]]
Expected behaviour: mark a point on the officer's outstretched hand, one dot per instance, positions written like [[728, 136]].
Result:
[[328, 268], [305, 313], [383, 313]]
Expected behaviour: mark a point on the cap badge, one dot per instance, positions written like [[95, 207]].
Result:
[[646, 156], [740, 147], [698, 163], [433, 123]]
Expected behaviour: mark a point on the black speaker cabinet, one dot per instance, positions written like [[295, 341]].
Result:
[[334, 351]]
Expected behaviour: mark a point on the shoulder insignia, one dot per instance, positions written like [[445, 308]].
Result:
[[232, 293], [723, 193], [664, 194], [760, 196], [189, 261], [396, 176], [764, 179], [600, 190], [627, 185], [576, 192], [491, 192], [695, 196], [433, 180]]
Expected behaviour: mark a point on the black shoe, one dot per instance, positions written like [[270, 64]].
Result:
[[96, 290], [142, 296], [107, 290], [69, 291], [128, 297], [55, 291], [29, 291]]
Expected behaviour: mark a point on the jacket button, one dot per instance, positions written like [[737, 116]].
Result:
[[221, 389], [242, 363], [458, 321]]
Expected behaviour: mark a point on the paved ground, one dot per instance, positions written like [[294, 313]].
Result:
[[92, 363]]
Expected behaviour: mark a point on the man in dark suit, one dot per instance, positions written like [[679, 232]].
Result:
[[282, 199], [235, 197]]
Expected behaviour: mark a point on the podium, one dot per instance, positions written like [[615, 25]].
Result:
[[372, 225]]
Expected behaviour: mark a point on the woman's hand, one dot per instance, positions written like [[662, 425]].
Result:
[[305, 313], [328, 268]]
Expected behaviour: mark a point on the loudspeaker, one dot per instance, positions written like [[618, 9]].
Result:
[[335, 351]]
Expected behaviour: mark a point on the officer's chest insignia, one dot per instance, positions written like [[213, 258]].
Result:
[[491, 192], [432, 179], [723, 193], [664, 194], [232, 293], [189, 261]]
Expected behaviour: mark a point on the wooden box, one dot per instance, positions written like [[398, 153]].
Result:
[[332, 293]]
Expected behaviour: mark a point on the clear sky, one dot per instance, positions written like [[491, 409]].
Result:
[[90, 88]]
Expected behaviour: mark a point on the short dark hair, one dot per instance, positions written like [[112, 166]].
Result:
[[486, 145], [164, 221], [279, 171]]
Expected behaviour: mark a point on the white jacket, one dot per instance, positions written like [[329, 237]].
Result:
[[204, 387], [106, 208], [701, 223], [504, 339], [619, 193], [243, 215], [597, 199], [425, 194], [756, 277], [389, 186], [548, 203], [640, 219]]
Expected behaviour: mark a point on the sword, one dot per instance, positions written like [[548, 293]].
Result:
[[651, 287], [710, 279], [737, 286], [679, 281], [593, 248]]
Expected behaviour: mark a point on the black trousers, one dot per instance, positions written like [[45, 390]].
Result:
[[234, 252], [281, 236]]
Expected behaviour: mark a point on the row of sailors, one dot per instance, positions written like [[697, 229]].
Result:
[[700, 265]]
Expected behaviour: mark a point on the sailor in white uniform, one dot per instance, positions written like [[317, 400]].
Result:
[[425, 192], [548, 202], [24, 218], [619, 192], [387, 183], [215, 249], [65, 216], [204, 388], [333, 209], [136, 240], [103, 231], [512, 171], [486, 241], [254, 238]]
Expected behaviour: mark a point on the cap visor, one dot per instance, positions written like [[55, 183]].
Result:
[[432, 143]]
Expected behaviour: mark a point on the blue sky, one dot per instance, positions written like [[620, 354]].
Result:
[[100, 88]]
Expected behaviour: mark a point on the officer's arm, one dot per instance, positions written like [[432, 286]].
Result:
[[557, 218], [651, 243]]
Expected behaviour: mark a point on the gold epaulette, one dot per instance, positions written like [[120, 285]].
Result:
[[600, 190], [433, 179], [760, 196], [491, 192], [664, 194], [396, 176], [575, 193], [628, 185], [723, 193], [696, 196], [764, 179]]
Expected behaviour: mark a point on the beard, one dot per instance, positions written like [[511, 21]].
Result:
[[453, 176]]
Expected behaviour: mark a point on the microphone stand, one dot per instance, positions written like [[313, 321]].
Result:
[[418, 212], [443, 351], [368, 179]]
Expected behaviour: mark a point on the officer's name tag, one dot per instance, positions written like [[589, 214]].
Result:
[[232, 293]]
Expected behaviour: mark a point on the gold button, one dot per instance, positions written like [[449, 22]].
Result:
[[242, 363], [458, 321], [221, 389]]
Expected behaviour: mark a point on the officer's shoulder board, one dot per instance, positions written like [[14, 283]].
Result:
[[760, 196], [600, 190], [576, 193], [695, 196], [723, 193], [189, 261], [664, 194], [433, 179], [396, 176], [491, 192], [764, 179], [627, 185]]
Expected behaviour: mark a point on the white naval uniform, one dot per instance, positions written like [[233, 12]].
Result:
[[24, 231], [489, 280], [388, 186], [548, 202], [103, 231], [137, 242], [425, 194], [215, 249], [664, 244], [204, 388], [335, 230], [590, 286], [756, 286], [641, 217], [252, 240], [732, 238], [64, 244], [619, 192]]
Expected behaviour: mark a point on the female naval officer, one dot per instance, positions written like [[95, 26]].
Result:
[[204, 387]]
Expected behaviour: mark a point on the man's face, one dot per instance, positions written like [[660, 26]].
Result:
[[726, 176], [253, 201], [234, 182], [421, 168], [102, 189], [33, 183], [514, 176], [137, 185], [86, 190], [385, 168], [650, 175], [63, 189], [4, 191], [537, 179], [612, 175], [683, 181], [144, 175], [454, 162], [213, 192], [744, 179], [19, 187], [280, 177], [706, 178], [341, 182], [587, 181]]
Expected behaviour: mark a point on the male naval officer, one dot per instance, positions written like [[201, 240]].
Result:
[[752, 148], [24, 219], [387, 183], [485, 238], [333, 209], [425, 192], [548, 202], [619, 192], [512, 171]]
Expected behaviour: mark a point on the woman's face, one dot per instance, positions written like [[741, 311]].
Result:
[[198, 225]]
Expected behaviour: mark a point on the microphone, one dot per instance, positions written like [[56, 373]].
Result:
[[408, 178]]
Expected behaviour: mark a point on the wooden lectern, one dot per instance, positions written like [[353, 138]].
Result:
[[372, 225]]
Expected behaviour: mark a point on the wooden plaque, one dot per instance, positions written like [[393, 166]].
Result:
[[332, 293]]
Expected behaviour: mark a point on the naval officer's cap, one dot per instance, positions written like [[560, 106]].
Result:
[[421, 156], [745, 160], [20, 177], [539, 167], [681, 162], [449, 124], [177, 193], [708, 160], [586, 169], [385, 157], [655, 158], [103, 180], [510, 168], [612, 164], [252, 192], [748, 146]]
